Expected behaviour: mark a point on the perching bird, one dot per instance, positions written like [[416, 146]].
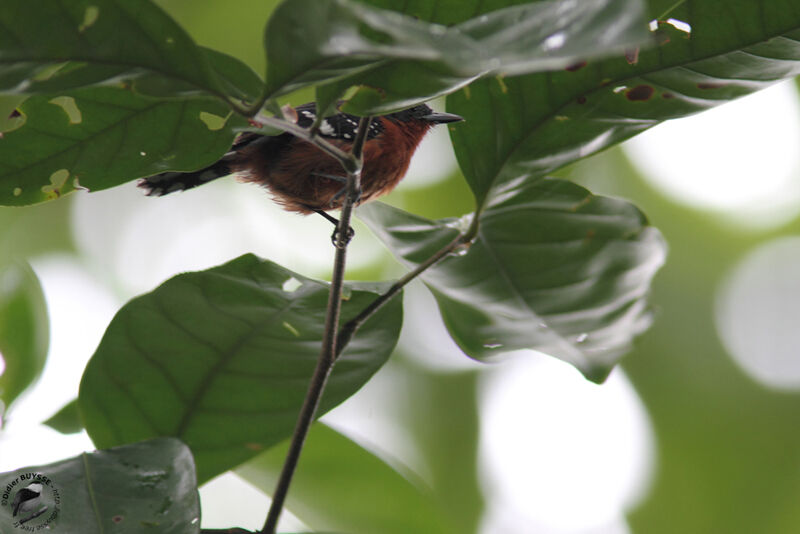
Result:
[[26, 503], [300, 176]]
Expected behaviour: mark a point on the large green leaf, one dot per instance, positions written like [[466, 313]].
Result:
[[146, 487], [408, 61], [553, 268], [24, 330], [100, 137], [377, 499], [222, 359], [530, 125], [64, 44]]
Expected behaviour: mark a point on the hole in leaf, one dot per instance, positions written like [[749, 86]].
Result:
[[291, 285], [554, 41], [640, 93], [57, 181], [680, 25], [89, 17], [10, 116], [67, 103], [213, 122]]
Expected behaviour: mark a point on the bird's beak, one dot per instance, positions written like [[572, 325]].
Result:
[[442, 117]]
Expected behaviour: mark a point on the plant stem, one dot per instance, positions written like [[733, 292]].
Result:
[[352, 164], [351, 327]]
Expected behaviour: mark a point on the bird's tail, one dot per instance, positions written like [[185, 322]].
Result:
[[169, 182]]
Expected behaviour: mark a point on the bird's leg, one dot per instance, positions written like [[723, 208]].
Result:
[[333, 220], [340, 193]]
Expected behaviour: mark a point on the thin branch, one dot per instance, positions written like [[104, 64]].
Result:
[[352, 163], [351, 327], [344, 158]]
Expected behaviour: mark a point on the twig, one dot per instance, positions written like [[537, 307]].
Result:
[[352, 163], [351, 327]]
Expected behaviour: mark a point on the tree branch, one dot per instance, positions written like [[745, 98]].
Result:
[[351, 327], [352, 163]]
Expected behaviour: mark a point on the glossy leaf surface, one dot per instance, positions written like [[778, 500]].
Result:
[[405, 61], [144, 487], [531, 125], [553, 268], [222, 359]]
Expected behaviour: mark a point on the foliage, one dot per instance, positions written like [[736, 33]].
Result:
[[99, 93]]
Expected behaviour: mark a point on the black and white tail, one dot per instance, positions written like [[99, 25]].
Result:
[[169, 182]]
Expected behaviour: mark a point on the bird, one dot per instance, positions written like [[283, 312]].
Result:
[[304, 179], [26, 503]]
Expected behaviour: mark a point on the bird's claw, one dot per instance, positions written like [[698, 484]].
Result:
[[346, 240]]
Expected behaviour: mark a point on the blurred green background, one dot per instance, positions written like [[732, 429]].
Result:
[[727, 456]]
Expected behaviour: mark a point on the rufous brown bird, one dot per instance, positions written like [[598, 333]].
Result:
[[300, 176]]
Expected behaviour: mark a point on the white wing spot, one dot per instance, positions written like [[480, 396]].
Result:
[[326, 128]]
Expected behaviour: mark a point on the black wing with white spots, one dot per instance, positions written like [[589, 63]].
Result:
[[338, 126]]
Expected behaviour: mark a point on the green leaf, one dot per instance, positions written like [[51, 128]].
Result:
[[100, 137], [377, 499], [408, 61], [67, 420], [222, 359], [103, 40], [146, 487], [552, 268], [24, 330], [530, 125]]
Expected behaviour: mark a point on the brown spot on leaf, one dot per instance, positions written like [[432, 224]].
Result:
[[14, 114], [632, 56], [575, 66], [117, 519], [710, 85], [667, 95], [640, 93], [581, 100]]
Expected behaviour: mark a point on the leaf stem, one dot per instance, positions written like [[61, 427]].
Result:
[[352, 163], [351, 327]]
